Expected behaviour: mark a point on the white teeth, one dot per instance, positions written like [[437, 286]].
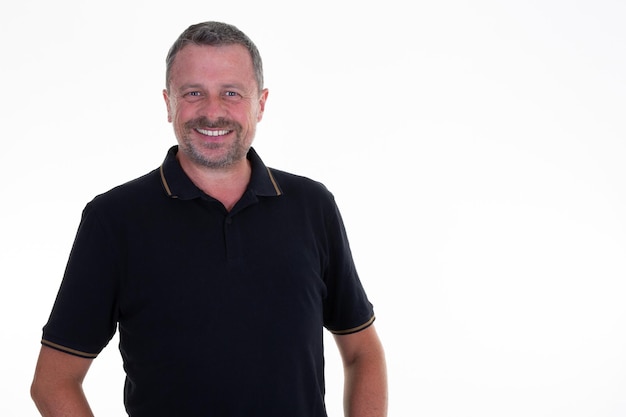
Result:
[[212, 132]]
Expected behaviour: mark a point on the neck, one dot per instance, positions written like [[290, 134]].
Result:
[[226, 185]]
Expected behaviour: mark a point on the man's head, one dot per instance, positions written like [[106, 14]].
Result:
[[214, 34], [214, 95]]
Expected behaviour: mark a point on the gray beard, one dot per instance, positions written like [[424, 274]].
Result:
[[236, 153]]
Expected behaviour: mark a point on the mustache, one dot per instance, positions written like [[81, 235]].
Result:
[[204, 122]]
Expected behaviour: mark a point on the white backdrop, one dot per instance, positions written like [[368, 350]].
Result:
[[476, 150]]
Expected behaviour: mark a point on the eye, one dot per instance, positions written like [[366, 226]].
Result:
[[231, 94], [192, 95]]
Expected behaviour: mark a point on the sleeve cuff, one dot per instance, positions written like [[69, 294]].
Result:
[[68, 350], [355, 329]]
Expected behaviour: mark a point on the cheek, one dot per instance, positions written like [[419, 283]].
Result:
[[256, 114], [172, 112], [178, 115]]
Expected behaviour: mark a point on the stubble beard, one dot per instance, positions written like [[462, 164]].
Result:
[[235, 152]]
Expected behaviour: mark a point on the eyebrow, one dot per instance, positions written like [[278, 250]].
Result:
[[198, 85], [186, 86]]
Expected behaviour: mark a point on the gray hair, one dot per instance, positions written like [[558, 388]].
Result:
[[215, 34]]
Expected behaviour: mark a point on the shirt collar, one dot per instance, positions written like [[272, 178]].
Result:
[[178, 185]]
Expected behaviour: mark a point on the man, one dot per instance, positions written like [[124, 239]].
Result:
[[219, 272]]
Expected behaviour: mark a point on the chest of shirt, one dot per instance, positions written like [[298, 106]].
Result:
[[196, 265]]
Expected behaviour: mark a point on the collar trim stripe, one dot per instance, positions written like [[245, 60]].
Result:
[[165, 185], [274, 183]]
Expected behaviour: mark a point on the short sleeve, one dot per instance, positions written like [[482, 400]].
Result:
[[84, 316], [346, 308]]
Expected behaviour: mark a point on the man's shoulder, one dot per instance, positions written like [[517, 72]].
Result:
[[304, 193], [294, 183], [143, 188]]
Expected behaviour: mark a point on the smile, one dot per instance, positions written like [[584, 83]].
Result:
[[213, 132]]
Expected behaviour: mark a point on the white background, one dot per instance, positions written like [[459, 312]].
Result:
[[476, 150]]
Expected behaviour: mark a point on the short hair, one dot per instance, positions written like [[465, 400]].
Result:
[[215, 34]]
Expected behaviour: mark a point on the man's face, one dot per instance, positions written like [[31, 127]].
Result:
[[214, 104]]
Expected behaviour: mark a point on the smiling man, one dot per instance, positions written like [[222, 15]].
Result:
[[214, 102], [219, 272]]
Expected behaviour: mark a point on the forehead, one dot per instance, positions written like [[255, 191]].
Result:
[[212, 63]]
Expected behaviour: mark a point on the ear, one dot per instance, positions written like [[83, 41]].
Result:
[[262, 100], [168, 105]]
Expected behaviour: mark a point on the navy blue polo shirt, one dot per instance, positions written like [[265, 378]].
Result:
[[220, 313]]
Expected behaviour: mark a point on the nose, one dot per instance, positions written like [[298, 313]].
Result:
[[212, 107]]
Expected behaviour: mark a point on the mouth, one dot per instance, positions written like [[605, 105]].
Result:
[[213, 133]]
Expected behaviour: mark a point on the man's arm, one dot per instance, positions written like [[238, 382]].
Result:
[[365, 387], [57, 385]]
